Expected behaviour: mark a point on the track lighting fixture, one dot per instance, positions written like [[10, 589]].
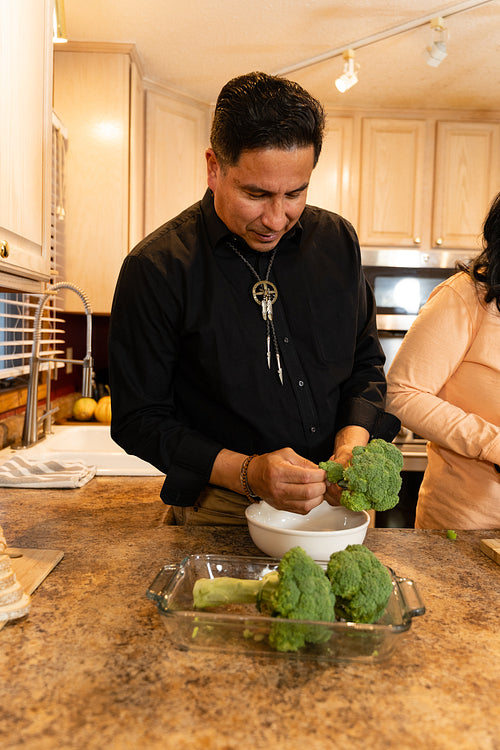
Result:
[[436, 51], [350, 75]]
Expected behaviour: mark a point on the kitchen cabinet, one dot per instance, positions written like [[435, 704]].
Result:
[[177, 135], [466, 180], [25, 143], [98, 95], [392, 181], [426, 183], [332, 185]]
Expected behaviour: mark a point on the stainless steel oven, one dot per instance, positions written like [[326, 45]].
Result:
[[402, 281]]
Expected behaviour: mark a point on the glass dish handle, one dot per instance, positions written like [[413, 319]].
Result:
[[410, 597], [157, 589]]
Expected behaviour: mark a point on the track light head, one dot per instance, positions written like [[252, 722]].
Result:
[[436, 52], [350, 75]]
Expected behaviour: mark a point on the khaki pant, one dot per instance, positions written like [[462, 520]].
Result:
[[214, 507]]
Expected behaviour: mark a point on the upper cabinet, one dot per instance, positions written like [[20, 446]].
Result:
[[467, 177], [426, 183], [333, 184], [99, 97], [392, 182], [25, 143], [177, 135]]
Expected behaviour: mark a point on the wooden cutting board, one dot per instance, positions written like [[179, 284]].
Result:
[[33, 567], [491, 547]]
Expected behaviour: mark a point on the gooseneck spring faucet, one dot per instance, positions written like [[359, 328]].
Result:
[[31, 420]]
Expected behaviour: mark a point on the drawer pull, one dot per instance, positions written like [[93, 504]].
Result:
[[4, 249]]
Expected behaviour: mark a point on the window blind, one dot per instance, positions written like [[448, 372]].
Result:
[[17, 309]]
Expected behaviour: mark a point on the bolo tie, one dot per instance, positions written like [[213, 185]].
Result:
[[265, 294]]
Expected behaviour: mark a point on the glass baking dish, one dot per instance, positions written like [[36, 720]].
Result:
[[241, 629]]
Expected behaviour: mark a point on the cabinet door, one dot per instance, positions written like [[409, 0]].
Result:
[[92, 98], [466, 180], [25, 139], [176, 139], [392, 182], [331, 181], [137, 117]]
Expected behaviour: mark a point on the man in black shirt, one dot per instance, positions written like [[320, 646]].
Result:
[[243, 346]]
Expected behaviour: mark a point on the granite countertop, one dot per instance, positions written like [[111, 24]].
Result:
[[90, 667]]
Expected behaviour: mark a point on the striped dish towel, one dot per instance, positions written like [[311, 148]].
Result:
[[44, 473]]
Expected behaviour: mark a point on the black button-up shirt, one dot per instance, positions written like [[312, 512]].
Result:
[[188, 347]]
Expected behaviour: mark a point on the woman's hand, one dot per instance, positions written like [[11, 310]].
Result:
[[347, 439]]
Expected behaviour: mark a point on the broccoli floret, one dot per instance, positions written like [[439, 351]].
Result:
[[361, 584], [298, 590], [372, 480]]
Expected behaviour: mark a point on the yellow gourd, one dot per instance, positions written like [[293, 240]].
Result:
[[84, 408], [103, 410]]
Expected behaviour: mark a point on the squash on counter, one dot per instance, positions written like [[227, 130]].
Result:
[[84, 409], [103, 410]]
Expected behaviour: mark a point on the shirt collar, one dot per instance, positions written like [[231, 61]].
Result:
[[218, 233]]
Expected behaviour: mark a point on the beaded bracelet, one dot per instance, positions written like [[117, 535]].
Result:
[[244, 479]]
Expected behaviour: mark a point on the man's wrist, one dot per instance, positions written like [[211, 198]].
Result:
[[244, 479]]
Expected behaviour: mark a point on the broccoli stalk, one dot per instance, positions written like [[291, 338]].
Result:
[[298, 590], [215, 592], [372, 480], [361, 583]]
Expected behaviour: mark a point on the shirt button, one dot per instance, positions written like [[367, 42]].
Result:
[[301, 383], [285, 339], [312, 429]]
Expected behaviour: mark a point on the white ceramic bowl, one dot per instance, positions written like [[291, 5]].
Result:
[[324, 530]]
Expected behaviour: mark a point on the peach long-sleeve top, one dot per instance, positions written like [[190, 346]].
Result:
[[444, 384]]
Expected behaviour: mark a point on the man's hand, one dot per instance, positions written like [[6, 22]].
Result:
[[287, 481]]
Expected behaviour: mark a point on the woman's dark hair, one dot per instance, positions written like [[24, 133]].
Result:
[[485, 269], [257, 110]]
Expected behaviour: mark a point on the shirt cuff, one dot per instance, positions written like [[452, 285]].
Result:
[[379, 423], [189, 471]]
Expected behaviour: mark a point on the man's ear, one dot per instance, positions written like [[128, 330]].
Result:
[[212, 168]]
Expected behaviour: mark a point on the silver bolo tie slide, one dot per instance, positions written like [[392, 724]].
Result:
[[265, 294]]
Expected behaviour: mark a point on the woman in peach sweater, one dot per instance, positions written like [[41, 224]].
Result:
[[444, 384]]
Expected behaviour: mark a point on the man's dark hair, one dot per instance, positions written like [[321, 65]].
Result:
[[257, 110]]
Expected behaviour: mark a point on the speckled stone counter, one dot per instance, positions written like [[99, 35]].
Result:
[[90, 667]]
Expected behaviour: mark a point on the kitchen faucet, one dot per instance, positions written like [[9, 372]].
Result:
[[31, 419]]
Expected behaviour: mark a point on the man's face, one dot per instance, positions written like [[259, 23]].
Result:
[[263, 195]]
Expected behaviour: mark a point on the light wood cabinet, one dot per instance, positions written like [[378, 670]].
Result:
[[25, 143], [98, 95], [177, 135], [332, 185], [467, 177], [392, 182], [426, 183]]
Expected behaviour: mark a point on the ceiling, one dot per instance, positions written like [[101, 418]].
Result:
[[194, 47]]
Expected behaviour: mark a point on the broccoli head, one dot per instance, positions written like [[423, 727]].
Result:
[[361, 584], [298, 590], [372, 479], [301, 592]]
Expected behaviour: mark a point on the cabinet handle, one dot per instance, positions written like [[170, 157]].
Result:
[[4, 249], [439, 241], [417, 240]]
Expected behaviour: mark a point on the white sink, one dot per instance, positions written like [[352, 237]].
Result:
[[90, 444]]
